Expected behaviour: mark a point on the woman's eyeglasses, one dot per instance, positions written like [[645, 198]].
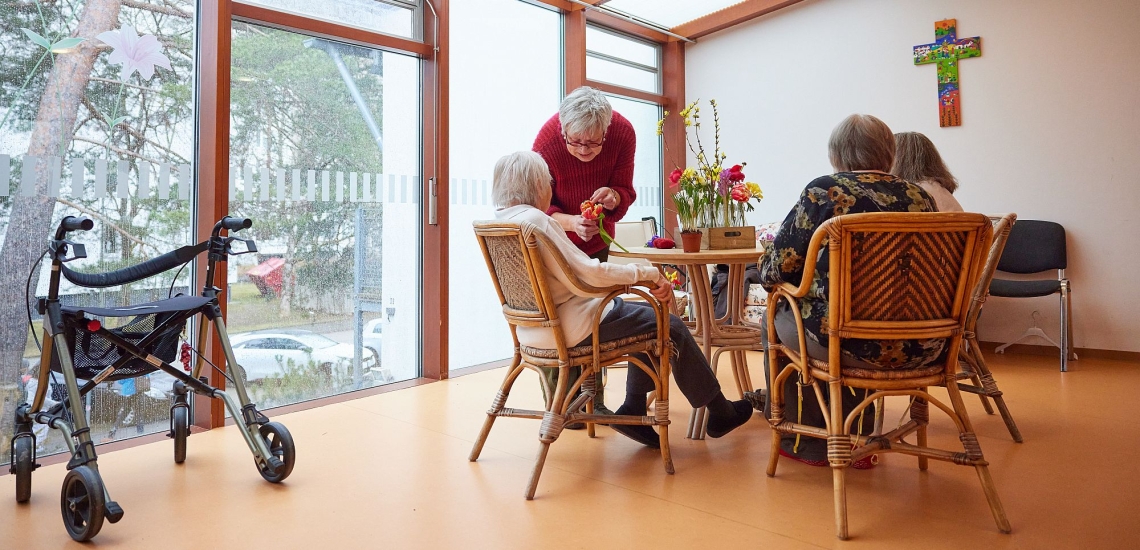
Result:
[[584, 144]]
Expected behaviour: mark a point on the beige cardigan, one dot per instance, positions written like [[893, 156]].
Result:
[[575, 309]]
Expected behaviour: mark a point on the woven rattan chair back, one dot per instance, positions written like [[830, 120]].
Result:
[[896, 276], [513, 259]]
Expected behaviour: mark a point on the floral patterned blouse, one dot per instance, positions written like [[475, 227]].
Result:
[[783, 261]]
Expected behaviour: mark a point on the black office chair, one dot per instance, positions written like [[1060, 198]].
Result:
[[1035, 246]]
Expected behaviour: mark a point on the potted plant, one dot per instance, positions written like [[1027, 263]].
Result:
[[710, 195], [688, 197]]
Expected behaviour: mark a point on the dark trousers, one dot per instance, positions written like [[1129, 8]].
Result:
[[690, 369], [601, 255], [807, 410]]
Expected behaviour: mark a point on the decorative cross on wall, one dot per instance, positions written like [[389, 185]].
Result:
[[946, 50]]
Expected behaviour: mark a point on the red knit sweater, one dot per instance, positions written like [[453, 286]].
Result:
[[575, 181]]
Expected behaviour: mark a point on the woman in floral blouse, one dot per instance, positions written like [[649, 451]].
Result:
[[861, 150]]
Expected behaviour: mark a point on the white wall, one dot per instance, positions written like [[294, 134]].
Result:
[[1050, 113]]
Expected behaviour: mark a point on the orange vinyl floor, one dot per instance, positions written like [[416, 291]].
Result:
[[391, 471]]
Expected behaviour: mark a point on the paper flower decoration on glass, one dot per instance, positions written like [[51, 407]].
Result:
[[135, 53]]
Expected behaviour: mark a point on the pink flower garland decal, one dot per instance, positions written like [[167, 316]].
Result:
[[134, 52]]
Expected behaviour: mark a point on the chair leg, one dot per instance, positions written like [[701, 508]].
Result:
[[840, 487], [920, 412], [552, 423], [966, 357], [539, 461], [497, 405], [978, 361], [839, 455], [1066, 326], [974, 452]]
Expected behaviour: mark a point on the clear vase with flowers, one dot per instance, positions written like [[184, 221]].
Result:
[[710, 195]]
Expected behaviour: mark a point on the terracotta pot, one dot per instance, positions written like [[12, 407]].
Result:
[[691, 242]]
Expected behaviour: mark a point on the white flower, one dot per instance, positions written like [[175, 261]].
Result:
[[135, 53]]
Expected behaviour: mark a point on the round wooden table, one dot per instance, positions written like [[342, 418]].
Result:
[[727, 334]]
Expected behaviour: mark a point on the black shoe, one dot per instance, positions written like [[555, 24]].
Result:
[[640, 433], [719, 427]]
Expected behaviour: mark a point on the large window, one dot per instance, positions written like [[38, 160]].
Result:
[[325, 158], [96, 120], [506, 81], [647, 161]]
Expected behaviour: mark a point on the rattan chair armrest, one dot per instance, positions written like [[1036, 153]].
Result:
[[659, 311]]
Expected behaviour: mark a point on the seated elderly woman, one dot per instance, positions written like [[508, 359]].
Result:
[[917, 161], [861, 151], [521, 192]]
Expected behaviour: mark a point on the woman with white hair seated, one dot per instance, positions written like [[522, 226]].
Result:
[[589, 150], [522, 193], [861, 150]]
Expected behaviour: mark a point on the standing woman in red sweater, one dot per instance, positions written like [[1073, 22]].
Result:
[[589, 149]]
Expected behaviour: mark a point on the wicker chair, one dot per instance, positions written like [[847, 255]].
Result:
[[514, 258], [893, 276], [974, 369]]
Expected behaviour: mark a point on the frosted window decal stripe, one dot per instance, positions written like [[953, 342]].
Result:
[[5, 174], [100, 183], [164, 180], [144, 180], [28, 176], [55, 180], [184, 182]]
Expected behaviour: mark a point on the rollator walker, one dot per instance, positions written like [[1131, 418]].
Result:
[[77, 345]]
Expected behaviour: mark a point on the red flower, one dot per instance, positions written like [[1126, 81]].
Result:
[[591, 211], [675, 176], [736, 173], [740, 193]]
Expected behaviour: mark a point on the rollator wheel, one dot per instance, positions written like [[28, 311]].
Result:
[[22, 462], [180, 418], [82, 504], [280, 445]]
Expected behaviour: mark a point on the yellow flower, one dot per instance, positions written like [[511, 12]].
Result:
[[754, 189], [689, 173]]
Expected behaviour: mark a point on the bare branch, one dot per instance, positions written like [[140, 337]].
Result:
[[166, 10], [106, 221]]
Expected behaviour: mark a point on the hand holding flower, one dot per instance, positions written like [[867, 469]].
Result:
[[593, 211]]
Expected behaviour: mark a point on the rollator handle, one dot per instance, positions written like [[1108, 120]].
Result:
[[235, 224], [72, 223]]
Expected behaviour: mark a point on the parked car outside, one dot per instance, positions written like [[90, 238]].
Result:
[[268, 353]]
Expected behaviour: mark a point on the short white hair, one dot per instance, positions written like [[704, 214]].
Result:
[[517, 177], [585, 112]]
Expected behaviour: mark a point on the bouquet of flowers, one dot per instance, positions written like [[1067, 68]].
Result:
[[709, 194]]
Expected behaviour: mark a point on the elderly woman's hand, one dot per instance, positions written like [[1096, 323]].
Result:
[[585, 229], [662, 290], [608, 198]]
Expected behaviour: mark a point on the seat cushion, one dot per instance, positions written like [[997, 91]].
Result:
[[582, 351], [1024, 289]]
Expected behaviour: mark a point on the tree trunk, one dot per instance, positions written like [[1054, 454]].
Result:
[[30, 222]]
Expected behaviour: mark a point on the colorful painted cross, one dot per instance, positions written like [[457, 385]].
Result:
[[946, 50]]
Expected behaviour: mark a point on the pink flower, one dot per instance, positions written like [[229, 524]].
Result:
[[736, 173], [740, 193], [134, 53], [675, 176]]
